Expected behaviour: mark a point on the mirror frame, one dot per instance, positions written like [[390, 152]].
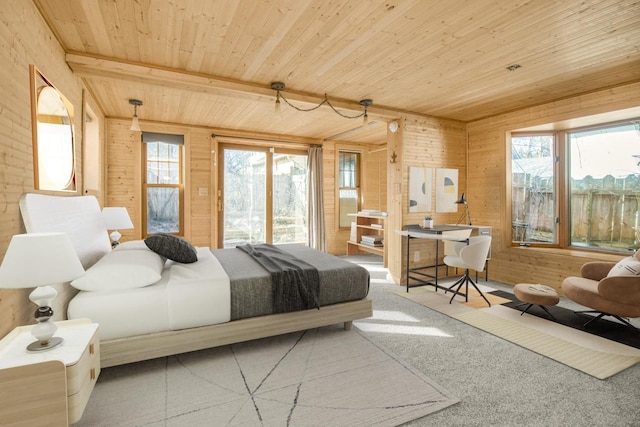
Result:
[[37, 82]]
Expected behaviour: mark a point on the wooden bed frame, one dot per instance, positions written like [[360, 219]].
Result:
[[79, 216]]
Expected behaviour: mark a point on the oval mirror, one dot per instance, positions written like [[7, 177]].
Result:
[[53, 142]]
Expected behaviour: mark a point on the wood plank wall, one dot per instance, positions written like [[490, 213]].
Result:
[[425, 142], [373, 187], [124, 177], [124, 185], [25, 39], [488, 188]]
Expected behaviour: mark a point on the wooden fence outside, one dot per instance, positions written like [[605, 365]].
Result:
[[603, 211]]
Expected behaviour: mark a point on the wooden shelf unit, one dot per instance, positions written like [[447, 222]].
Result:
[[363, 226]]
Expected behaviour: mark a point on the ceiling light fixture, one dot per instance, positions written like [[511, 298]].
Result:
[[279, 87], [135, 125]]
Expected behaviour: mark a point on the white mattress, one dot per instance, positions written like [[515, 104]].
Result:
[[187, 296]]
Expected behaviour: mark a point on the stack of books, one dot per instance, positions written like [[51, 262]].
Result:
[[372, 240]]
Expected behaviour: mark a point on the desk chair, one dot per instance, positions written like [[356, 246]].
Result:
[[470, 255]]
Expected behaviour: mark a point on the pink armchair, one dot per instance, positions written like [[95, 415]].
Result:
[[617, 296]]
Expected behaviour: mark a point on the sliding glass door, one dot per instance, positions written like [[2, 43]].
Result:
[[263, 196]]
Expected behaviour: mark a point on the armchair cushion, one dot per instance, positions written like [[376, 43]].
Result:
[[596, 270], [629, 266]]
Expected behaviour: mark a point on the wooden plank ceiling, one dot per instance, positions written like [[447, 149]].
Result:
[[211, 62]]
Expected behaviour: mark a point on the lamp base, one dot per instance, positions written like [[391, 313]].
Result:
[[38, 346]]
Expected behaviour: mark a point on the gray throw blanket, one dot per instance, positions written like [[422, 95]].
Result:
[[296, 283]]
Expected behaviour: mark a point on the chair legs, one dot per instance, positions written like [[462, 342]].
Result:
[[531, 305], [601, 314], [465, 280]]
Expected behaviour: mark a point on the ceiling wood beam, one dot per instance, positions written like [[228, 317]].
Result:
[[88, 66]]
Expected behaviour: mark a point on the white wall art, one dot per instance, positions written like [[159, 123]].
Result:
[[446, 190], [420, 184]]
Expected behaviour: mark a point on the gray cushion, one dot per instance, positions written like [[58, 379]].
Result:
[[172, 247]]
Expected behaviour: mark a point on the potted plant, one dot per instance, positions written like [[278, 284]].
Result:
[[427, 222]]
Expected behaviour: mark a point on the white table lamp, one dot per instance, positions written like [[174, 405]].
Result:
[[116, 219], [40, 260]]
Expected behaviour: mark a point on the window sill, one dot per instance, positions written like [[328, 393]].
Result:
[[576, 253]]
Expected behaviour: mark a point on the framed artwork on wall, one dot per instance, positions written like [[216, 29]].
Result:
[[446, 190], [420, 184]]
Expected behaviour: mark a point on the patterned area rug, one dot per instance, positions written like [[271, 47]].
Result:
[[324, 376], [594, 355]]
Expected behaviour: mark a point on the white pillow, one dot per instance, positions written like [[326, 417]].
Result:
[[629, 266], [122, 270], [132, 245]]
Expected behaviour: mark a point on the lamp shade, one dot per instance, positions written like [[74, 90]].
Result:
[[135, 124], [39, 259], [462, 200], [116, 218]]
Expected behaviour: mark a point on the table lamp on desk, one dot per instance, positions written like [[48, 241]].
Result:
[[463, 201]]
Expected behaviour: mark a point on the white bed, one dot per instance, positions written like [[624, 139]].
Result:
[[184, 309]]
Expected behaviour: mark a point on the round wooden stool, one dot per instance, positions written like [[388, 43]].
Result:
[[539, 295]]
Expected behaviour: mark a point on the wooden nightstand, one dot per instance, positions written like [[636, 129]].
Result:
[[50, 388]]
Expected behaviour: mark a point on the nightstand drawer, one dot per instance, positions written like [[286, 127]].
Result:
[[81, 378], [77, 373], [77, 402]]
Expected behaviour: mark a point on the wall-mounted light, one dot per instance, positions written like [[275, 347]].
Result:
[[135, 125], [393, 126], [279, 87]]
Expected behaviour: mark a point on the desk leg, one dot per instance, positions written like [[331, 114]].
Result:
[[408, 238], [436, 266]]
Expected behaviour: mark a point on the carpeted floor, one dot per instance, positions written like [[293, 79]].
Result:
[[580, 350], [323, 377], [604, 327], [498, 383]]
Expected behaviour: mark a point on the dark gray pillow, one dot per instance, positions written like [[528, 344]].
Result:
[[172, 247]]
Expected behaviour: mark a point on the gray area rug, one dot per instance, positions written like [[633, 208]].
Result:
[[326, 376]]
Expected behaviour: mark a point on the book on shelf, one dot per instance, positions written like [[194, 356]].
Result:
[[374, 244], [372, 212], [372, 237], [374, 225]]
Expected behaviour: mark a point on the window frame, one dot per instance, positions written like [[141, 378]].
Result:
[[358, 179], [180, 186], [562, 184]]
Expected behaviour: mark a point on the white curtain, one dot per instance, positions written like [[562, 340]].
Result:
[[317, 233]]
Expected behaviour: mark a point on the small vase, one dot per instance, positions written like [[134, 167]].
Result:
[[427, 223]]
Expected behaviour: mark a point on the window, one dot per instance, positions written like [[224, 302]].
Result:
[[533, 211], [163, 183], [348, 186], [264, 195], [597, 168]]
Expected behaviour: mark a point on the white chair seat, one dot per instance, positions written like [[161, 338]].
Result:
[[454, 261], [471, 255]]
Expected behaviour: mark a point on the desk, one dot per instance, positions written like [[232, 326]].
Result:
[[436, 234]]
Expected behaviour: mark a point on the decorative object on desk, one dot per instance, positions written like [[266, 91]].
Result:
[[114, 219], [40, 260], [463, 201], [446, 189], [427, 222], [420, 183]]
